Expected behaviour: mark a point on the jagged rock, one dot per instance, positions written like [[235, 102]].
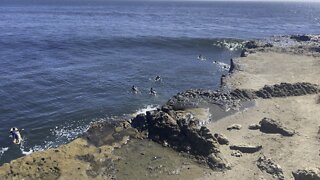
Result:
[[254, 126], [216, 161], [234, 126], [306, 174], [184, 133], [222, 140], [233, 66], [301, 37], [236, 154], [246, 148], [269, 166], [243, 94], [271, 126], [287, 89]]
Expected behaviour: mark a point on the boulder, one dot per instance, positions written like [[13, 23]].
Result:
[[246, 148], [254, 126], [306, 174], [222, 140], [234, 126], [271, 126], [269, 166]]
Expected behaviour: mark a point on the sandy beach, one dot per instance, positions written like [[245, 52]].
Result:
[[123, 152]]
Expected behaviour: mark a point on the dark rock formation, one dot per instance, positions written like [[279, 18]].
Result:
[[222, 140], [301, 37], [246, 148], [271, 126], [287, 89], [251, 45], [309, 174], [269, 166], [183, 133]]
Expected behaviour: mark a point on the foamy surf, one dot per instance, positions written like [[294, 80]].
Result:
[[145, 109], [3, 150]]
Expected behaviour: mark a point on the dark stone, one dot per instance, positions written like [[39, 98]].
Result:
[[310, 174], [301, 37], [222, 140], [251, 45], [269, 166], [246, 148], [271, 126]]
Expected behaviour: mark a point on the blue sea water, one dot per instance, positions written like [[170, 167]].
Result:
[[66, 64]]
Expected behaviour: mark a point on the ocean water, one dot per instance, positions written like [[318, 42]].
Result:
[[65, 65]]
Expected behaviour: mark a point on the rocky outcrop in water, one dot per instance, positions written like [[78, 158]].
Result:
[[269, 166], [271, 126], [301, 37]]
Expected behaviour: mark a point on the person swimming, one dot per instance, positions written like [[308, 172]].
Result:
[[153, 92], [134, 89], [157, 78], [16, 135]]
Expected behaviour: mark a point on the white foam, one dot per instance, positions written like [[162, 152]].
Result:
[[222, 65], [145, 109], [2, 150], [231, 45]]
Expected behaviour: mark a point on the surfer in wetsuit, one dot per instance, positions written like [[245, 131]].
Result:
[[134, 89], [153, 92], [158, 78], [15, 133]]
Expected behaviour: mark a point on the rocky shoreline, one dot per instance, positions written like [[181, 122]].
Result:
[[188, 123]]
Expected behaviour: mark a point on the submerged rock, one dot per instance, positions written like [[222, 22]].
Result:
[[306, 174], [271, 126], [246, 148], [269, 166], [301, 37]]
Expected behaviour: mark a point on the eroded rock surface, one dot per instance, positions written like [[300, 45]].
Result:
[[269, 166], [306, 174], [272, 126]]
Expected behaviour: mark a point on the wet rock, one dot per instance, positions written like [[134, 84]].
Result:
[[269, 166], [222, 140], [254, 126], [251, 45], [246, 148], [301, 37], [306, 174], [271, 126], [234, 127]]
